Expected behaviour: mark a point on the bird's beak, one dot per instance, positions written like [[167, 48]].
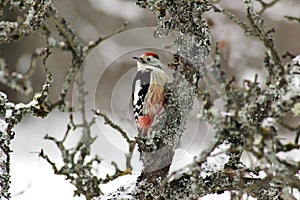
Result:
[[139, 59]]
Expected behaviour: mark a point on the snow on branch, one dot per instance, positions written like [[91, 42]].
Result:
[[13, 114], [246, 125], [38, 11], [249, 123]]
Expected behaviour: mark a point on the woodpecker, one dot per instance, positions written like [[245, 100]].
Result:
[[148, 89]]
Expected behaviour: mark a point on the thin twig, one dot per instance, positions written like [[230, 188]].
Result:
[[266, 5], [131, 143], [93, 44], [113, 125], [291, 18]]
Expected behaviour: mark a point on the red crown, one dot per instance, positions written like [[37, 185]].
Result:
[[151, 54]]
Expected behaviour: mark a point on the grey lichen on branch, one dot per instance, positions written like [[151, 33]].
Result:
[[37, 13], [249, 123], [78, 164], [13, 114], [14, 80], [246, 125], [193, 41], [18, 81], [36, 16], [157, 152]]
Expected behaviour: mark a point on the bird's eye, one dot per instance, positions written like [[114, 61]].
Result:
[[148, 59]]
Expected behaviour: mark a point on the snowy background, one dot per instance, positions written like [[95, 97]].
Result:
[[109, 71]]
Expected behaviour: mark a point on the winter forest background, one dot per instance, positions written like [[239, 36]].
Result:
[[66, 69]]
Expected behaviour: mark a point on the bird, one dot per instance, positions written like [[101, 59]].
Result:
[[148, 91]]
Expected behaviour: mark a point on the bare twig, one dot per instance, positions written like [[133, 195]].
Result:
[[288, 55], [131, 143], [113, 125], [291, 18], [117, 173], [93, 44], [266, 5]]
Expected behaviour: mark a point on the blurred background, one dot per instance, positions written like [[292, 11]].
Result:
[[109, 72]]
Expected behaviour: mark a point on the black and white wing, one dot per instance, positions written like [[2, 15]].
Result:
[[140, 87]]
